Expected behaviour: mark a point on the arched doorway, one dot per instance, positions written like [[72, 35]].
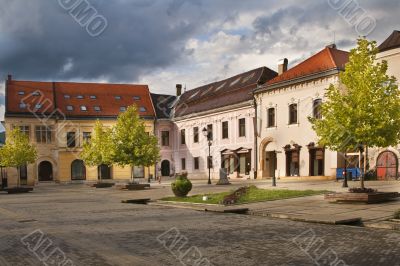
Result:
[[267, 159], [78, 170], [165, 168], [104, 171], [387, 166], [45, 171]]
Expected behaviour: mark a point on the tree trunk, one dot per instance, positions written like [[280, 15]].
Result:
[[100, 174], [18, 176], [363, 173]]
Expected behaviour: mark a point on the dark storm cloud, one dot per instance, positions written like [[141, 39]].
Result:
[[41, 41]]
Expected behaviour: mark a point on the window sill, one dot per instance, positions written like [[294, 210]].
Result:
[[272, 128], [293, 125]]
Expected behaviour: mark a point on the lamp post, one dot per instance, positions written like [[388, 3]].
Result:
[[345, 171], [208, 136]]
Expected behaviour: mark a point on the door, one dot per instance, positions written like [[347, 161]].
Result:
[[78, 170], [165, 168], [104, 171], [270, 164], [45, 171], [23, 174], [387, 166]]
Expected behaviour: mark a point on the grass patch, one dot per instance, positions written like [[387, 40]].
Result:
[[254, 195]]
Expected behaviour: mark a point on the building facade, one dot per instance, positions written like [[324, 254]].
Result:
[[287, 144], [220, 114], [59, 117]]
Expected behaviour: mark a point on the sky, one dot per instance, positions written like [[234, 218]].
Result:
[[165, 42]]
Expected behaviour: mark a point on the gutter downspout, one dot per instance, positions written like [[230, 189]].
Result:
[[255, 138]]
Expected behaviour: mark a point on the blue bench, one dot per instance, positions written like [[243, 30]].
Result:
[[353, 173]]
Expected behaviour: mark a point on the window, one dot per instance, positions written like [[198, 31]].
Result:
[[122, 108], [21, 93], [71, 139], [292, 114], [196, 163], [117, 97], [225, 130], [38, 106], [165, 138], [143, 109], [87, 136], [183, 164], [36, 93], [93, 97], [292, 160], [66, 96], [244, 163], [271, 117], [43, 134], [210, 132], [22, 106], [25, 130], [83, 108], [196, 135], [70, 108], [242, 127], [317, 109], [136, 98], [183, 136], [80, 97], [97, 108]]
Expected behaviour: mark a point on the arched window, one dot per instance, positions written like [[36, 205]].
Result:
[[317, 114], [293, 114], [78, 170]]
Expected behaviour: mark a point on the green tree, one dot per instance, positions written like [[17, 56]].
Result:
[[100, 149], [364, 110], [17, 151], [133, 145]]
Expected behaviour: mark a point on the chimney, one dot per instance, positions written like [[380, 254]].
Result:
[[9, 77], [282, 66], [332, 46], [178, 89]]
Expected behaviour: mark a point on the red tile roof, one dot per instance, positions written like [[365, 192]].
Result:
[[53, 96], [327, 59], [223, 93], [392, 42]]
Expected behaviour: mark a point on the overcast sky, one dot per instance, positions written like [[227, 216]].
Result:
[[164, 42]]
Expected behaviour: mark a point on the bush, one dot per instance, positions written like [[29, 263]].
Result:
[[182, 185], [396, 215], [370, 175]]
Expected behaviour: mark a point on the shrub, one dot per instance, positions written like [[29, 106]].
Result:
[[362, 190], [397, 215], [370, 175], [182, 185]]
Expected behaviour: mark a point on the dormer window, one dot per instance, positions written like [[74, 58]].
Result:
[[83, 108], [22, 106], [122, 108], [93, 97], [36, 93], [21, 93], [136, 98], [38, 106], [80, 97], [70, 108], [117, 97], [66, 96], [97, 108], [143, 109]]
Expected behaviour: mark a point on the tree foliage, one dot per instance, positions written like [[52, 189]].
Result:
[[100, 149], [133, 145], [364, 110], [17, 151]]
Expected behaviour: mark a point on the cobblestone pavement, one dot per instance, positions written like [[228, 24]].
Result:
[[92, 227]]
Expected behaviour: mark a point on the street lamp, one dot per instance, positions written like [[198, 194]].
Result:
[[345, 171], [208, 136]]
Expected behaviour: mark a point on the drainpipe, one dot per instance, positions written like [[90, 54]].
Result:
[[255, 138]]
